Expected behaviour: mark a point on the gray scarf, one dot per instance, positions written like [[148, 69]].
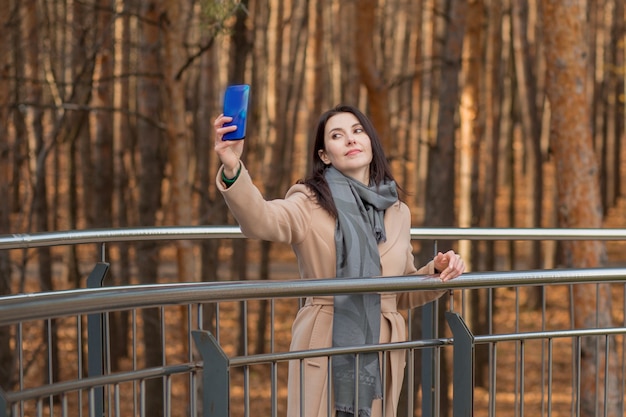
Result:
[[356, 319]]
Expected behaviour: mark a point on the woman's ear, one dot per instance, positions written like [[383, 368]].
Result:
[[322, 154]]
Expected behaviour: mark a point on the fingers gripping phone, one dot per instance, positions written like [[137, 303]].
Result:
[[236, 106]]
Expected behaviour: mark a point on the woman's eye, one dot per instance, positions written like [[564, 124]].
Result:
[[335, 136], [358, 130]]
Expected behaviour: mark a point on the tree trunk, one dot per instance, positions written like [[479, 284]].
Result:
[[102, 100], [345, 71], [179, 141], [371, 76], [613, 103], [493, 115], [524, 60], [123, 150], [38, 152], [75, 131], [212, 209], [440, 187], [470, 132], [440, 183], [578, 194], [239, 51], [152, 156], [6, 150], [77, 127], [470, 135]]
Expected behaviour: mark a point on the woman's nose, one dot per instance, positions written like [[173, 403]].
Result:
[[351, 138]]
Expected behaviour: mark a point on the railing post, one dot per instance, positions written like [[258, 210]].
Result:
[[95, 338], [4, 405], [429, 317], [463, 366], [215, 383]]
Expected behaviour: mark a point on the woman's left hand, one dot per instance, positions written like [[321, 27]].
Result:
[[449, 264]]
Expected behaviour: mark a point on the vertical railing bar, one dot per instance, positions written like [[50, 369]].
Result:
[[543, 350], [192, 385], [136, 401], [193, 393], [245, 327], [20, 360], [437, 376], [410, 366], [550, 367], [596, 395], [116, 393], [50, 359], [522, 376], [384, 382], [302, 388], [492, 357], [492, 379], [274, 388], [246, 390], [411, 382], [142, 398], [92, 402], [577, 380], [272, 324], [575, 347], [357, 360], [103, 250], [623, 378], [79, 348], [189, 328], [167, 403], [329, 384], [64, 404], [107, 357], [194, 375], [606, 374], [517, 353], [163, 357]]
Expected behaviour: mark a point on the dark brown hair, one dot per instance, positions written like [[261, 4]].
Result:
[[380, 170]]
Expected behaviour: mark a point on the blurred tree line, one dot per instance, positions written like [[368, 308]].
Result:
[[494, 113]]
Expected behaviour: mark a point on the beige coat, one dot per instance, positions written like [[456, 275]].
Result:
[[298, 220]]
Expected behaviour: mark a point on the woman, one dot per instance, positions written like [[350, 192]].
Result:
[[343, 220]]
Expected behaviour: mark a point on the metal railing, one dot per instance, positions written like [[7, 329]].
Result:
[[203, 377]]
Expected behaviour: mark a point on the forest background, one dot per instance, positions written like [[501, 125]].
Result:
[[492, 112]]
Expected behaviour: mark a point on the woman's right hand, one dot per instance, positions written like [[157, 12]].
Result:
[[229, 151]]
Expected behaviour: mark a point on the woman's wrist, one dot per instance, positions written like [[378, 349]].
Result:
[[231, 173], [229, 176]]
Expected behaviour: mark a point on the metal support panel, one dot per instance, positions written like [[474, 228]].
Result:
[[463, 366], [4, 406], [429, 316], [95, 338], [215, 380]]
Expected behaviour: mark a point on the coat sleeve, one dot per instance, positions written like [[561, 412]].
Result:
[[282, 220], [414, 299]]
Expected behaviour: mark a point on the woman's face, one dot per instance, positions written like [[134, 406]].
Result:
[[347, 147]]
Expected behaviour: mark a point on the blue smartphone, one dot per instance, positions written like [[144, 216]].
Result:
[[236, 106]]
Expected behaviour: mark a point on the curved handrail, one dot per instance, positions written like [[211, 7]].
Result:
[[75, 237], [23, 307]]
